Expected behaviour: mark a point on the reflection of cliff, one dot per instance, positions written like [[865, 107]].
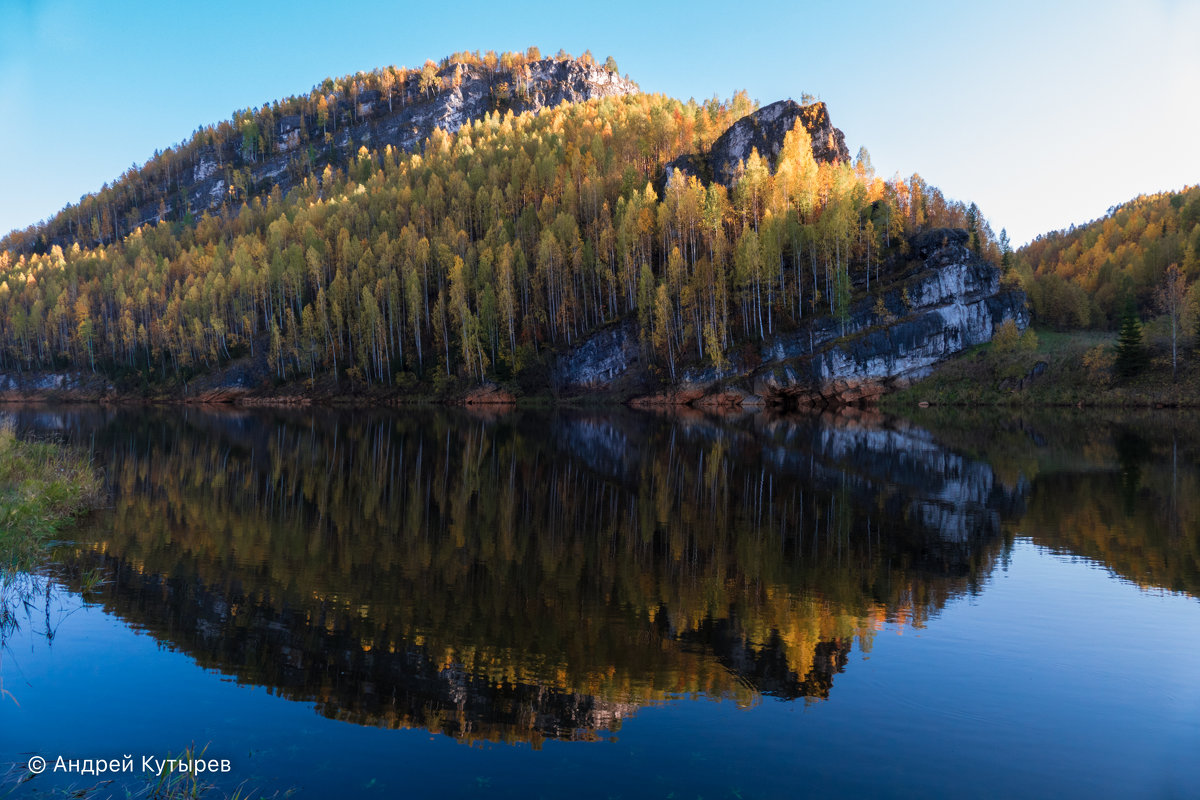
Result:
[[529, 577], [1118, 488], [932, 503]]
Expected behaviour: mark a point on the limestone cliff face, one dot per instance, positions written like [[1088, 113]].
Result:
[[605, 358], [953, 302], [952, 305], [469, 93], [38, 387], [764, 131], [470, 96], [944, 495]]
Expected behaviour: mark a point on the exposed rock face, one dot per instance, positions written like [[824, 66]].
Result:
[[470, 92], [601, 361], [764, 130], [469, 96], [943, 497], [549, 83], [54, 387], [1020, 384], [953, 303]]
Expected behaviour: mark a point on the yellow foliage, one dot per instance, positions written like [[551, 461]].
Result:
[[1006, 338]]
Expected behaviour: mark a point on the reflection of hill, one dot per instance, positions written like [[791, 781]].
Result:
[[530, 576], [1119, 488]]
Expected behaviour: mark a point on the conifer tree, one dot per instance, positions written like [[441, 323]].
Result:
[[1131, 352]]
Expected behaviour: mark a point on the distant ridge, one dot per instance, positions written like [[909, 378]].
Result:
[[276, 146]]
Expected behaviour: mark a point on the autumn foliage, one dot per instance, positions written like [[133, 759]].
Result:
[[1081, 277], [515, 235]]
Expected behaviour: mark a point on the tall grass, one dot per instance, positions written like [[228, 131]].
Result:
[[43, 485]]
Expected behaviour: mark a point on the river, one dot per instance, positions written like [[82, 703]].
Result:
[[606, 603]]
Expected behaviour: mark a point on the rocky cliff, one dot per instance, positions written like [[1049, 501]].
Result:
[[210, 176], [469, 93], [952, 301], [764, 131]]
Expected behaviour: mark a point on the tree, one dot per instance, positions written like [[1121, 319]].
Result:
[[1170, 297], [841, 294], [1191, 314], [429, 82], [862, 164], [610, 64], [662, 326], [1007, 337], [387, 80], [513, 232], [323, 113], [1131, 353], [1005, 251]]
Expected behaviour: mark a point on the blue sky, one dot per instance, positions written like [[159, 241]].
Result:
[[1044, 113]]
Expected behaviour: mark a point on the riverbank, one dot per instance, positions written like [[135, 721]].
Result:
[[1053, 368], [43, 485], [1042, 368]]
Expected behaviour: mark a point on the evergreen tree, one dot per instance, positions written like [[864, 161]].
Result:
[[1131, 353], [1005, 251]]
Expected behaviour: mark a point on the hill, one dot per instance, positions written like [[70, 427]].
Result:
[[1082, 277], [280, 143], [482, 257]]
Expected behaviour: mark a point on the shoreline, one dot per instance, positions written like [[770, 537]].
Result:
[[896, 402]]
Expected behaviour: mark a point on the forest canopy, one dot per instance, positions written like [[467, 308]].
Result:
[[517, 233], [1082, 277]]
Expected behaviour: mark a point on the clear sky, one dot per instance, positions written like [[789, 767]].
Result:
[[1044, 113]]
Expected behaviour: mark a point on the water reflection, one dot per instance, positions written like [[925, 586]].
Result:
[[1121, 489], [526, 576]]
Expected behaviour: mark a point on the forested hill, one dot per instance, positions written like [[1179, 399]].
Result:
[[1084, 276], [278, 144], [478, 258]]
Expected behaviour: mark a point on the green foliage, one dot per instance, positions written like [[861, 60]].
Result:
[[1080, 370], [1131, 355], [42, 485], [1029, 341]]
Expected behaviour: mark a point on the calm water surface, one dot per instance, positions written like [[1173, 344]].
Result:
[[604, 604]]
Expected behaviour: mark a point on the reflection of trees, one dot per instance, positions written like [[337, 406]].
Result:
[[531, 576], [1140, 517], [1119, 488]]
